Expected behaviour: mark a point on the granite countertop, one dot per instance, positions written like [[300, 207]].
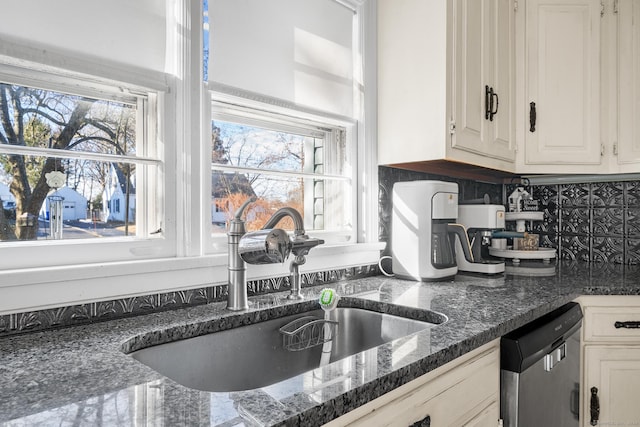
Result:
[[81, 375]]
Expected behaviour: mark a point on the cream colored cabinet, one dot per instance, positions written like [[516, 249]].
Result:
[[559, 112], [487, 417], [464, 392], [446, 82], [611, 356], [482, 111], [625, 132], [613, 374]]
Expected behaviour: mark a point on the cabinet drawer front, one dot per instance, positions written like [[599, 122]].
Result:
[[614, 324], [454, 398]]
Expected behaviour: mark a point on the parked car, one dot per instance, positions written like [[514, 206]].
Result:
[[9, 208]]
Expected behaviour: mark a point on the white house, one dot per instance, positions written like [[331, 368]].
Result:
[[5, 194], [113, 196], [74, 204]]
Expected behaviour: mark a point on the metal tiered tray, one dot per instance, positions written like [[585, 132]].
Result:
[[545, 254]]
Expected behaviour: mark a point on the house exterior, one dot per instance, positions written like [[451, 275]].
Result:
[[223, 184], [5, 195], [74, 204], [114, 196]]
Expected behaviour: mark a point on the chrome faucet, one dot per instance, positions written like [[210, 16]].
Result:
[[237, 282], [266, 246]]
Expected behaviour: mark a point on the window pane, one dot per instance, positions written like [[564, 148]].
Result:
[[231, 190], [281, 161], [255, 147], [95, 199], [80, 192], [40, 118]]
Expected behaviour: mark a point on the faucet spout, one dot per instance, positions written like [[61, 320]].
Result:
[[267, 246], [291, 213]]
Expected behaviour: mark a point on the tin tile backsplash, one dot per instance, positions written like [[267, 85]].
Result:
[[594, 222], [34, 321]]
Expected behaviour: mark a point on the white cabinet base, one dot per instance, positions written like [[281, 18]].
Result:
[[463, 392]]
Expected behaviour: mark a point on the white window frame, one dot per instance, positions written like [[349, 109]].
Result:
[[261, 114], [183, 136], [43, 253]]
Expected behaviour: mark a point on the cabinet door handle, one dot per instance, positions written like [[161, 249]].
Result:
[[425, 422], [487, 100], [627, 325], [493, 112], [532, 116], [595, 406]]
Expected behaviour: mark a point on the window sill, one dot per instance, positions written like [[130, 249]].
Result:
[[40, 288]]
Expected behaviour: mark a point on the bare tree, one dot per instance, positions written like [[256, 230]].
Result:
[[73, 123]]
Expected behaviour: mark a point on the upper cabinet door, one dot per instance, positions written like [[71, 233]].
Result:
[[470, 44], [484, 78], [503, 77], [628, 84], [562, 80]]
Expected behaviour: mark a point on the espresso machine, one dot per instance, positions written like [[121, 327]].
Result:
[[423, 230], [482, 222]]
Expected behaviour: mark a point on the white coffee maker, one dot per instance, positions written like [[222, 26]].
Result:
[[423, 226]]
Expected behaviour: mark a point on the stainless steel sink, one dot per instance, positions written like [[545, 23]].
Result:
[[253, 356]]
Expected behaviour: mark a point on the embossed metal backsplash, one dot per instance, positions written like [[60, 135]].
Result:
[[11, 324], [592, 222]]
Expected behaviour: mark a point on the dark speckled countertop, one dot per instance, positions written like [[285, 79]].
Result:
[[81, 376]]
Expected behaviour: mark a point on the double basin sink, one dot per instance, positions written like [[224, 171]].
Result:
[[253, 356]]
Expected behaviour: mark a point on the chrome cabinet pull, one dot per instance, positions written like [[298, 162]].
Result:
[[627, 325]]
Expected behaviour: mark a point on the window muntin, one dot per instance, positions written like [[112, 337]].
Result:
[[94, 144], [283, 161]]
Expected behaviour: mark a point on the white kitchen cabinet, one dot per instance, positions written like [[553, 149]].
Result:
[[613, 373], [625, 133], [438, 64], [487, 417], [560, 107], [463, 392], [482, 110], [611, 357]]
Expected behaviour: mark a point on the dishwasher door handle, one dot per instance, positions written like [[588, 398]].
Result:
[[554, 357]]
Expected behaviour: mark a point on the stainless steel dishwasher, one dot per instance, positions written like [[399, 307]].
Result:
[[540, 371]]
